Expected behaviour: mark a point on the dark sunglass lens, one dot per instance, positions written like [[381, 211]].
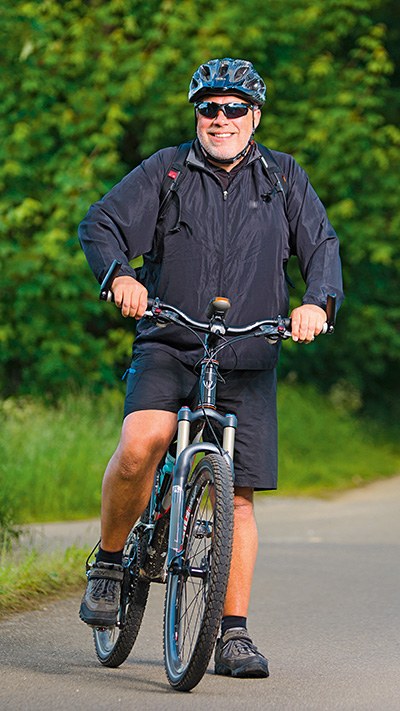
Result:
[[233, 111], [208, 109]]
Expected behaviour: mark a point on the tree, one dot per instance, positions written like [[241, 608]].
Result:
[[89, 89]]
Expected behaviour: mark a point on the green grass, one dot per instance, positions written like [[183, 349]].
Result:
[[53, 457], [52, 461], [38, 576], [324, 450]]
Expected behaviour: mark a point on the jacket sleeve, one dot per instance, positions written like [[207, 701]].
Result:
[[121, 225], [313, 240]]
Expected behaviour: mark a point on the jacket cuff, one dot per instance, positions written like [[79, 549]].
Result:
[[126, 270], [309, 301]]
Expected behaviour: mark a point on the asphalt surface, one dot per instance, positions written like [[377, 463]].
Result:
[[325, 610]]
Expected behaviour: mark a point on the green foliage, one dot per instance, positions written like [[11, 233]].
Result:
[[53, 458], [9, 532], [89, 89], [324, 448]]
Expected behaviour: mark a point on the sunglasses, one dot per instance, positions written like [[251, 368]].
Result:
[[234, 110]]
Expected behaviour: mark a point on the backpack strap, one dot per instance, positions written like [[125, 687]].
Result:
[[278, 179], [175, 173], [274, 172]]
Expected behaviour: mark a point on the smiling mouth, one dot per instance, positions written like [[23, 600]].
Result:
[[221, 135]]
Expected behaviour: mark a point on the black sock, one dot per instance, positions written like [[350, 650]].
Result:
[[232, 621], [107, 557]]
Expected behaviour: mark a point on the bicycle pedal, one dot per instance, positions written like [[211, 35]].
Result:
[[153, 576]]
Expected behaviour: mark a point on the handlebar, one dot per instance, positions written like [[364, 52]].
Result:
[[278, 328], [165, 313]]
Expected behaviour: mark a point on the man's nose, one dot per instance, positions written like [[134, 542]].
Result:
[[220, 117]]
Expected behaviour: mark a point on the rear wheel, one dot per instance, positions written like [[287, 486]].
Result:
[[114, 644], [196, 589]]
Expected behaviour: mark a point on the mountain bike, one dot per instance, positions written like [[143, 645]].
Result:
[[184, 537]]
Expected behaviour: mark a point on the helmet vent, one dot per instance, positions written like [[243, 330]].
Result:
[[205, 70], [240, 73], [228, 76]]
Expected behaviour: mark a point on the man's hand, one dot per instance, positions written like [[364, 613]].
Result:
[[130, 296], [307, 322]]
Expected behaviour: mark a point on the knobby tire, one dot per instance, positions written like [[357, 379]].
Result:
[[194, 603]]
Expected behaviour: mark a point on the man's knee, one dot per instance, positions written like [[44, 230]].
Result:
[[136, 458], [143, 443], [130, 463]]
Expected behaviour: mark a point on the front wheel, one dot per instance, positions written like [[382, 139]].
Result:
[[196, 588]]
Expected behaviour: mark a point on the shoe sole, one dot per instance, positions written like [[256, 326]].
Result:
[[247, 671], [90, 618]]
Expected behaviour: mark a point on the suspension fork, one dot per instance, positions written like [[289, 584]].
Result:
[[185, 454]]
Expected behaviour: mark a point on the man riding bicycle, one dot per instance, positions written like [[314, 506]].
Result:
[[229, 229]]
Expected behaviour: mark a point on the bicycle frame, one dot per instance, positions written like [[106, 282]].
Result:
[[186, 451]]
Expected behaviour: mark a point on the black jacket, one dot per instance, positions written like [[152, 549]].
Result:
[[212, 242]]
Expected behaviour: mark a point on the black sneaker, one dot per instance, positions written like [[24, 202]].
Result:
[[100, 603], [236, 655]]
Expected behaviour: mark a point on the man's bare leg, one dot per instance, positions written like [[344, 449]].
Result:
[[235, 653], [126, 490], [244, 553], [128, 479]]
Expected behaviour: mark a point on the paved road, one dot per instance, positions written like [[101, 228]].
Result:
[[325, 609]]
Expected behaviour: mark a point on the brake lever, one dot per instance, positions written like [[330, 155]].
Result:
[[273, 334], [161, 317]]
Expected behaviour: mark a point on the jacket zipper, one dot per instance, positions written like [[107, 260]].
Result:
[[223, 241]]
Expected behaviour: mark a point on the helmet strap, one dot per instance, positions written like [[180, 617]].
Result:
[[226, 161]]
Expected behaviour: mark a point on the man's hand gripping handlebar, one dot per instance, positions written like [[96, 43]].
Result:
[[275, 329]]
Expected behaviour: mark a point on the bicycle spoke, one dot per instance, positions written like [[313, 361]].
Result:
[[194, 589], [188, 607]]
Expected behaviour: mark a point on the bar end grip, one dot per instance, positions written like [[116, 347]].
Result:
[[330, 313], [105, 287]]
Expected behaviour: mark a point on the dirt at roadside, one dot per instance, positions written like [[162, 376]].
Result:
[[377, 491]]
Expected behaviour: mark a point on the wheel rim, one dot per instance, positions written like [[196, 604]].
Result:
[[189, 587], [106, 638]]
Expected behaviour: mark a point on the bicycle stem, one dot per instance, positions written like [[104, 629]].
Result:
[[209, 364]]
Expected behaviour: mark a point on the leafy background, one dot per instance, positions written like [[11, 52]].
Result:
[[91, 88]]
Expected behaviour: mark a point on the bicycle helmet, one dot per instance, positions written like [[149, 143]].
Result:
[[228, 76]]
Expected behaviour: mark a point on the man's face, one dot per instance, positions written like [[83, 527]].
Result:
[[222, 137]]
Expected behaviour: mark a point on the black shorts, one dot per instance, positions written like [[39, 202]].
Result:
[[157, 380]]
